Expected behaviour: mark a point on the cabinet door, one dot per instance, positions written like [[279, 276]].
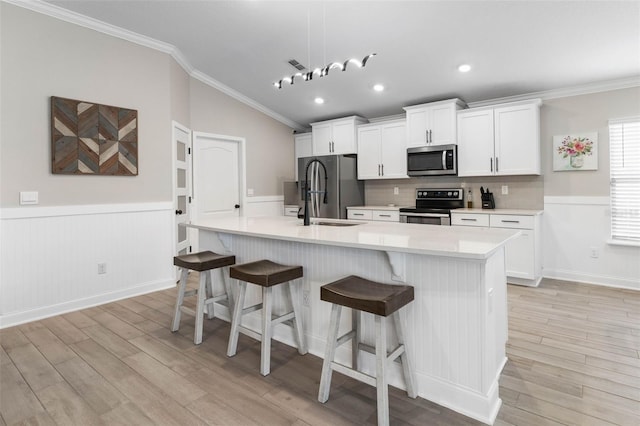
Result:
[[517, 140], [520, 256], [393, 151], [343, 137], [417, 122], [321, 135], [369, 139], [475, 143], [442, 124], [303, 148]]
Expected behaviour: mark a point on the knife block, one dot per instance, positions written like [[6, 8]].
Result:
[[487, 201]]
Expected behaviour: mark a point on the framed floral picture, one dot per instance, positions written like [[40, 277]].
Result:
[[575, 152]]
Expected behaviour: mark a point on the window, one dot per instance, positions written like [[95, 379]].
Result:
[[624, 146]]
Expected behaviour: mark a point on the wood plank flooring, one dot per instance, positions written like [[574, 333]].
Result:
[[574, 359]]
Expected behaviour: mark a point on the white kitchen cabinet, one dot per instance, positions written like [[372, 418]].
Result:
[[433, 123], [379, 214], [302, 147], [500, 140], [523, 255], [335, 136], [382, 151]]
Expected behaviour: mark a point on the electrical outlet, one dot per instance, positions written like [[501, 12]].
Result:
[[595, 253], [306, 298], [102, 268], [505, 190], [250, 192], [396, 190]]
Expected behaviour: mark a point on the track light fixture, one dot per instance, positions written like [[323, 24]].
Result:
[[321, 72]]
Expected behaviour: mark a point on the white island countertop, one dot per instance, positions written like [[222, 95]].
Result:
[[448, 241]]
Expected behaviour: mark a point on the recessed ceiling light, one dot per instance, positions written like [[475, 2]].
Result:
[[318, 100], [464, 68], [378, 87]]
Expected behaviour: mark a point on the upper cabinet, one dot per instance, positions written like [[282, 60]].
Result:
[[303, 148], [382, 150], [335, 137], [433, 123], [500, 140]]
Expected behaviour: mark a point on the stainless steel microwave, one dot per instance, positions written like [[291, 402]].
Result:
[[432, 160]]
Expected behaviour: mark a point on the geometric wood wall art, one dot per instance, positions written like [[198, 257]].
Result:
[[93, 139]]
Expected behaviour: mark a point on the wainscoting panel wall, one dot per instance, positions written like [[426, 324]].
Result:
[[575, 227], [51, 255]]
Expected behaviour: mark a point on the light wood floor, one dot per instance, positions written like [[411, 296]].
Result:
[[573, 360]]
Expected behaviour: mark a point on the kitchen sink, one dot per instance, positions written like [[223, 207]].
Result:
[[335, 223]]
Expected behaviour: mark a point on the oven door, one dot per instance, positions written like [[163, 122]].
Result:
[[426, 218]]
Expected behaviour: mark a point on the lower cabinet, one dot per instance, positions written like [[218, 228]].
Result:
[[373, 214], [523, 255]]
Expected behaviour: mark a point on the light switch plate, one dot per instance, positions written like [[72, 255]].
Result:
[[28, 197]]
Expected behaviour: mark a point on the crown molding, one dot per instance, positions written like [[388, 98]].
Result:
[[585, 89], [114, 31]]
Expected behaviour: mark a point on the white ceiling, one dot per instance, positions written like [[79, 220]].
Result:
[[514, 47]]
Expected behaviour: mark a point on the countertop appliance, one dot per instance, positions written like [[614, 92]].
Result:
[[433, 206], [432, 160], [341, 188]]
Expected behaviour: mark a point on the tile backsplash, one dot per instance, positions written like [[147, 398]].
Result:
[[525, 192]]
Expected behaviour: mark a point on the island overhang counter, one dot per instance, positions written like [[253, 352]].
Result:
[[457, 324]]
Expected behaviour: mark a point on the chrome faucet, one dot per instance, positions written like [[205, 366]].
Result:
[[307, 190]]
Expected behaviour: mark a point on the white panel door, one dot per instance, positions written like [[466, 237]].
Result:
[[343, 136], [417, 123], [321, 135], [217, 176], [369, 152], [517, 141], [181, 185], [393, 151], [475, 143], [442, 124]]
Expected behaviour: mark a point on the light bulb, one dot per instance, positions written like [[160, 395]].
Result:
[[318, 100], [464, 68]]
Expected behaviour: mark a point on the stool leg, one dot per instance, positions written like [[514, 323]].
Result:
[[381, 372], [330, 352], [355, 342], [405, 357], [202, 296], [236, 318], [298, 330], [267, 328], [227, 290], [175, 325], [209, 293]]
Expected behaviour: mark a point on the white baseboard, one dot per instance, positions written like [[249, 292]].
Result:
[[603, 280], [17, 318]]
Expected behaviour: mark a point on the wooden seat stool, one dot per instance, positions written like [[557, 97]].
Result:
[[203, 262], [382, 300], [265, 274]]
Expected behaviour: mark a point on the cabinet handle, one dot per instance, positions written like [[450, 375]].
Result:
[[382, 170], [510, 221], [378, 169], [430, 137], [491, 160], [384, 215], [469, 220], [358, 214], [426, 136], [497, 165]]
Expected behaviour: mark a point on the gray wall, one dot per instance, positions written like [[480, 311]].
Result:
[[44, 57], [67, 60]]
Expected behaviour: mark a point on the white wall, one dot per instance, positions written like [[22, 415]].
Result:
[[573, 228]]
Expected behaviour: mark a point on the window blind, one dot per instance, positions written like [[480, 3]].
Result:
[[624, 146]]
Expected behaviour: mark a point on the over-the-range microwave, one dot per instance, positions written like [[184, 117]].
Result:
[[432, 160]]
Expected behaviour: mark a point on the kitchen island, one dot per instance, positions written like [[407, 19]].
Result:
[[457, 324]]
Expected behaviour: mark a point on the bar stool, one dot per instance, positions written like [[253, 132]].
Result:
[[382, 300], [203, 262], [265, 274]]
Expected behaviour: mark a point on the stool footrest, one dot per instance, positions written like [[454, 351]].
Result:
[[358, 375], [190, 293], [395, 353], [346, 337], [372, 350], [286, 317], [249, 332], [217, 298], [252, 308], [187, 310]]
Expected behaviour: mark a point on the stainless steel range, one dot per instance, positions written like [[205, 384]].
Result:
[[433, 206]]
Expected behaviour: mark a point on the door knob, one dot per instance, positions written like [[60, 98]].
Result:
[[178, 211], [237, 206]]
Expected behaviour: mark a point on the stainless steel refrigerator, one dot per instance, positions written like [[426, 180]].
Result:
[[340, 190]]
